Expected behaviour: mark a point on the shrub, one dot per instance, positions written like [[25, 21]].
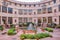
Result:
[[29, 36], [22, 36], [20, 24], [42, 35], [25, 24], [12, 26], [53, 25], [1, 28], [49, 29], [35, 36], [11, 31]]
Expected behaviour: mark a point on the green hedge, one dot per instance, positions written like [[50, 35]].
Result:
[[1, 28], [11, 31], [12, 25], [49, 29], [35, 36]]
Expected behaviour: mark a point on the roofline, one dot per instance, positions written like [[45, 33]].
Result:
[[42, 2]]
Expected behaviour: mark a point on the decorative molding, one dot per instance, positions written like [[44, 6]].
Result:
[[5, 3]]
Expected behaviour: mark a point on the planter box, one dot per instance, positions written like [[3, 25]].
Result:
[[31, 39], [29, 32]]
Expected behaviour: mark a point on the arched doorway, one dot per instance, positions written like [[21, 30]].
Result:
[[39, 22], [4, 19]]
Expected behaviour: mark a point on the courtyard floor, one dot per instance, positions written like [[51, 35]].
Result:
[[56, 36]]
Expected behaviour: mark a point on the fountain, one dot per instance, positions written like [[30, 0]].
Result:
[[31, 27]]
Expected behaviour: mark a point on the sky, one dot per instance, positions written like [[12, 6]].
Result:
[[29, 0]]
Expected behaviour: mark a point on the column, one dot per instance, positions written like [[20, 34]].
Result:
[[1, 20], [7, 20], [47, 19], [41, 19]]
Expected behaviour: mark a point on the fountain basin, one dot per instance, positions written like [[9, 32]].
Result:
[[29, 31]]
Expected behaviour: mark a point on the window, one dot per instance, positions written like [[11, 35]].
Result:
[[49, 3], [15, 12], [4, 9], [10, 10], [15, 20], [43, 10], [34, 13], [20, 20], [9, 3], [25, 5], [39, 11], [50, 10], [39, 5], [59, 8], [4, 3], [34, 5], [30, 19], [20, 11], [15, 4], [29, 5], [44, 19], [30, 11], [55, 20], [25, 11], [9, 20], [20, 4], [25, 20], [49, 19], [54, 1], [54, 10]]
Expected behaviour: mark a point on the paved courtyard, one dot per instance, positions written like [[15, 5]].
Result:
[[56, 36]]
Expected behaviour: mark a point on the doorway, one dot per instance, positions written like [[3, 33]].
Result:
[[39, 22]]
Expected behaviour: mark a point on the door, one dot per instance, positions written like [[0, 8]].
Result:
[[39, 22]]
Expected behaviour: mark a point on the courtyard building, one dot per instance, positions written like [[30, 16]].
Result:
[[15, 12]]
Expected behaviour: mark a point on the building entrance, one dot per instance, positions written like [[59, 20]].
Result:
[[39, 22]]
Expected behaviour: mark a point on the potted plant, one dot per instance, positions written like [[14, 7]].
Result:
[[11, 31], [1, 28], [25, 24], [49, 29], [12, 25]]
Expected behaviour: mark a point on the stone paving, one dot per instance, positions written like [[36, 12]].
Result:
[[56, 36]]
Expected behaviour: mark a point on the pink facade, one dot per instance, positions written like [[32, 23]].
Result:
[[37, 12]]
